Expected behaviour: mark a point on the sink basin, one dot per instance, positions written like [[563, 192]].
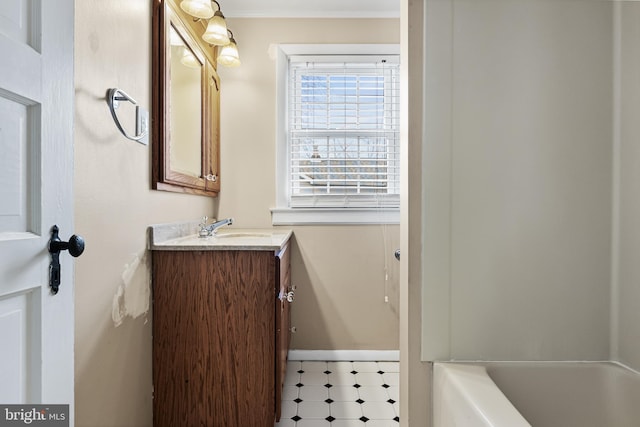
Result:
[[241, 234]]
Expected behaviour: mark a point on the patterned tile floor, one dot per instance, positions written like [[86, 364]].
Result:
[[341, 394]]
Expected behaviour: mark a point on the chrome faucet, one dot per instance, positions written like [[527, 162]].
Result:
[[211, 229]]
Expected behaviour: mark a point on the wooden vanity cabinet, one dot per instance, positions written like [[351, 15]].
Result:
[[283, 325], [219, 353]]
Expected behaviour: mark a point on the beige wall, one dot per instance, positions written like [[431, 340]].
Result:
[[339, 271], [626, 292], [114, 205], [526, 139]]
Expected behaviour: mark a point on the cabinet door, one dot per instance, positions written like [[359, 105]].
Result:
[[213, 345], [283, 324], [244, 344]]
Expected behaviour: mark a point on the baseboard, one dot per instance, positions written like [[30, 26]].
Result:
[[333, 355]]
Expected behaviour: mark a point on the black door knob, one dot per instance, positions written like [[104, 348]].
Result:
[[75, 245]]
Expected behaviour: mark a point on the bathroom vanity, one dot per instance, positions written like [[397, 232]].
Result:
[[220, 328]]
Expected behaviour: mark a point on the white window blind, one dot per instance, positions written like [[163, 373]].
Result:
[[343, 131]]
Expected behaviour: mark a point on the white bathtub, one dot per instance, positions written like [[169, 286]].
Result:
[[538, 394]]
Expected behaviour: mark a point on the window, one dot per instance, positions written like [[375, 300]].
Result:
[[340, 129]]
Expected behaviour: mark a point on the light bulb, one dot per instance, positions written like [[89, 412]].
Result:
[[198, 8], [228, 55], [216, 32]]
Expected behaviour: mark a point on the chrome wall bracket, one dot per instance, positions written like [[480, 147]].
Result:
[[114, 96]]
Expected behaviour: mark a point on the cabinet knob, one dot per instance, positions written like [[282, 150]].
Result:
[[293, 329], [290, 296]]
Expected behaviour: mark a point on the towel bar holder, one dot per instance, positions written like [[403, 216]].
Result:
[[114, 96]]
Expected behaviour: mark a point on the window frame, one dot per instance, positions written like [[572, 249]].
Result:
[[283, 214]]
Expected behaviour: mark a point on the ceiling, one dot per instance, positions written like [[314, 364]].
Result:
[[311, 8]]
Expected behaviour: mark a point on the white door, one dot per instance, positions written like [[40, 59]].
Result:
[[36, 180]]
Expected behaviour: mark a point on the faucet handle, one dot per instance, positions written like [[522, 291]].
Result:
[[203, 227]]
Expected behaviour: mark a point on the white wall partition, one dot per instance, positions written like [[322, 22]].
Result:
[[626, 290], [518, 200]]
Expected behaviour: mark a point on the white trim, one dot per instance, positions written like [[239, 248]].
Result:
[[349, 355], [339, 49], [312, 9], [318, 14], [282, 153], [614, 309], [282, 214], [309, 216], [337, 62]]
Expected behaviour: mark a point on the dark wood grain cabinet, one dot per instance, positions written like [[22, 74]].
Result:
[[220, 336]]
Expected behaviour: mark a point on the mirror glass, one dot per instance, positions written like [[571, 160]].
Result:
[[186, 111], [185, 153]]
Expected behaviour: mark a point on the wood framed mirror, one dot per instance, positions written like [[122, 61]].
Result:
[[186, 105]]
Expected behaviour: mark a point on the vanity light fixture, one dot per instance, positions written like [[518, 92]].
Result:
[[200, 9], [228, 54], [216, 32]]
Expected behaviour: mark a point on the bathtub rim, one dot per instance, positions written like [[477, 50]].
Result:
[[529, 362], [486, 366], [471, 384]]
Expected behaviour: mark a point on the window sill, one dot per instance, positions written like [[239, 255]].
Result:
[[324, 216]]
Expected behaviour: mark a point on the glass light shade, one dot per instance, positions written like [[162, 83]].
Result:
[[216, 32], [228, 55], [189, 59], [198, 8]]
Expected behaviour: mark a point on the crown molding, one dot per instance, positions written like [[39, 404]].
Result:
[[312, 9]]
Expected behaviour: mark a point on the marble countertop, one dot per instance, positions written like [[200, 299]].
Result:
[[184, 237]]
